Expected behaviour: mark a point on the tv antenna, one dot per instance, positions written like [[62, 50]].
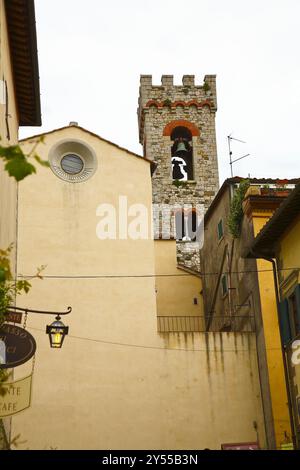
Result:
[[230, 138]]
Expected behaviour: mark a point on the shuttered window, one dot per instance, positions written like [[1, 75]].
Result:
[[289, 312], [294, 304], [220, 230], [224, 284], [285, 326]]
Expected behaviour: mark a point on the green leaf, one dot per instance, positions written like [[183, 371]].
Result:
[[2, 275], [11, 152], [26, 287], [19, 167], [23, 285]]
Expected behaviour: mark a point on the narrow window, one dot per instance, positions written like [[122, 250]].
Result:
[[294, 318], [187, 225], [224, 285], [192, 225], [180, 225], [220, 230], [182, 154]]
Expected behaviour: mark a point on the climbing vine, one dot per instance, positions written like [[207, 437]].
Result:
[[236, 209], [179, 183], [167, 102], [9, 289]]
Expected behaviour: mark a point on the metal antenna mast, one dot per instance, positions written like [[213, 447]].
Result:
[[229, 138]]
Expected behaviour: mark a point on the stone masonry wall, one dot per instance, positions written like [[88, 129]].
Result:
[[161, 108]]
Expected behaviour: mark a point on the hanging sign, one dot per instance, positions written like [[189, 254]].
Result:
[[19, 345], [13, 317], [17, 396]]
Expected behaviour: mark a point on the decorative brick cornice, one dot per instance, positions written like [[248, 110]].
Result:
[[161, 104]]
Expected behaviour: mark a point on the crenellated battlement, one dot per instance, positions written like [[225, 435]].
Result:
[[168, 81], [167, 94]]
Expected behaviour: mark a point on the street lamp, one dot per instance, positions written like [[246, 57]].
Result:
[[57, 332]]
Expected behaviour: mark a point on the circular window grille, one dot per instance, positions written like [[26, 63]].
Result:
[[73, 161], [72, 164]]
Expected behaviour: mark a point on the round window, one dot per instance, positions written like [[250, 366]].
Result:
[[73, 160], [72, 164]]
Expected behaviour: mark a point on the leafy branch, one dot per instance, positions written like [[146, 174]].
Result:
[[17, 162], [236, 214], [9, 289]]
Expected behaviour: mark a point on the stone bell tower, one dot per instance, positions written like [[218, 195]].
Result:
[[177, 131]]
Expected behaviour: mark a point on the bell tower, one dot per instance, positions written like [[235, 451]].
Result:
[[177, 131]]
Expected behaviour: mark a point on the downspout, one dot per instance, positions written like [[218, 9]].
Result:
[[285, 366]]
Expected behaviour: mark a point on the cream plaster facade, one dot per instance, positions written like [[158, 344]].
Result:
[[8, 117], [117, 382], [176, 293]]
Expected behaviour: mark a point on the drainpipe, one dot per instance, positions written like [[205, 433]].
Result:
[[285, 365]]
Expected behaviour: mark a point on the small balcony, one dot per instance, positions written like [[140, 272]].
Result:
[[190, 324]]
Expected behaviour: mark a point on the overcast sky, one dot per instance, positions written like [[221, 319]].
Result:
[[92, 52]]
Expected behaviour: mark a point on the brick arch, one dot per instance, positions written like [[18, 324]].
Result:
[[181, 123], [193, 103], [179, 103], [205, 103], [152, 103]]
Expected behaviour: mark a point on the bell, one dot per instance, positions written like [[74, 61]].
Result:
[[181, 147]]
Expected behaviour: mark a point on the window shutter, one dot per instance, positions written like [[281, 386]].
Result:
[[285, 326], [297, 295], [220, 229]]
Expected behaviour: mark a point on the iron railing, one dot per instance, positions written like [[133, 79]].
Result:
[[186, 324]]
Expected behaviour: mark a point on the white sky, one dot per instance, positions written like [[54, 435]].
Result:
[[92, 52]]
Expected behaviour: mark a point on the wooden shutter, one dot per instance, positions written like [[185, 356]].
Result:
[[285, 326], [297, 295]]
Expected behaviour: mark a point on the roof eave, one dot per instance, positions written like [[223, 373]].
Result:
[[21, 19], [265, 242]]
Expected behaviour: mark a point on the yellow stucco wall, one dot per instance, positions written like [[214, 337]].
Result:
[[288, 261], [7, 184], [272, 341], [117, 383], [289, 250], [175, 294]]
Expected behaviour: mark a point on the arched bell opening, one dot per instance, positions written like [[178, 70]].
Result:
[[187, 225], [182, 154]]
